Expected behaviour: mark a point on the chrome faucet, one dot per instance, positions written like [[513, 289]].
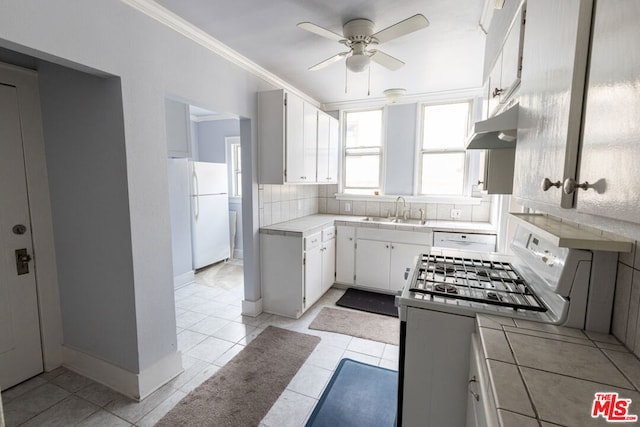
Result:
[[404, 207], [421, 214]]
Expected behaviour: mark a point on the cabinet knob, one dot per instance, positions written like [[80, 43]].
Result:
[[386, 246], [547, 184], [475, 395], [480, 182], [497, 92], [350, 238], [571, 185]]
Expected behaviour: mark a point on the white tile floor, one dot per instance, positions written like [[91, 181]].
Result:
[[211, 330]]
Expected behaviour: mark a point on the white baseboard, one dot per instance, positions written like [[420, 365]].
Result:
[[135, 386], [184, 279], [252, 308]]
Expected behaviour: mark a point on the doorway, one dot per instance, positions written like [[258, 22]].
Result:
[[21, 351]]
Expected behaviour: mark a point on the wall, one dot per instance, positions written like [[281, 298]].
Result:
[[400, 148], [85, 147], [280, 203], [627, 301], [211, 134], [152, 61]]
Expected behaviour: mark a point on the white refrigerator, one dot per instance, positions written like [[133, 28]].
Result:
[[209, 213]]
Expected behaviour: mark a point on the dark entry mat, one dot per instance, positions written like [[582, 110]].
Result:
[[372, 302]]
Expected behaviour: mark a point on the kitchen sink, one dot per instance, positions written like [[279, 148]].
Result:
[[408, 221]]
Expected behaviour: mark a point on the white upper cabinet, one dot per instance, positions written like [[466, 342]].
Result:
[[178, 124], [610, 152], [551, 93], [296, 141], [327, 172]]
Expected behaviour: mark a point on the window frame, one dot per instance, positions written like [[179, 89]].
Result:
[[234, 165], [421, 151], [378, 149]]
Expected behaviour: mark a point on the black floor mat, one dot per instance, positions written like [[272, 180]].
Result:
[[372, 302]]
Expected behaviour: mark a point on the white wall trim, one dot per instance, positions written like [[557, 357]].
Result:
[[176, 23], [184, 279], [135, 386], [213, 117], [251, 308]]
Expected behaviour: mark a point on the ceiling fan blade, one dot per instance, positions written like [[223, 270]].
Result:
[[409, 25], [385, 60], [328, 61], [323, 32]]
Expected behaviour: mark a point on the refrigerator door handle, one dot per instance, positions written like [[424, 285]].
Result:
[[196, 193]]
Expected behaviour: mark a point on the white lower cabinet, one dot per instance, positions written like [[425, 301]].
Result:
[[296, 271], [372, 264], [382, 265], [345, 254], [377, 258]]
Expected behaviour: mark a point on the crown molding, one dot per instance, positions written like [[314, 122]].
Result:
[[183, 27], [445, 95]]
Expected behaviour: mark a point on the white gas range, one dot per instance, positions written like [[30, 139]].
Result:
[[541, 282]]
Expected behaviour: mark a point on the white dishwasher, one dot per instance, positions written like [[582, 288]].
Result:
[[465, 241]]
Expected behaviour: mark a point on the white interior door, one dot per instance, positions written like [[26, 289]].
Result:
[[20, 348]]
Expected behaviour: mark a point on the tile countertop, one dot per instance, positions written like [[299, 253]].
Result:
[[310, 224], [548, 375]]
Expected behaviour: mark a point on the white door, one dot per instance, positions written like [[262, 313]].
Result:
[[372, 264], [345, 256], [20, 350], [312, 276], [328, 264]]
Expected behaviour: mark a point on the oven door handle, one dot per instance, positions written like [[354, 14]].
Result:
[[406, 273]]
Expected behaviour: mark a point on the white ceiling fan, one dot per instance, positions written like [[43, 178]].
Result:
[[358, 35]]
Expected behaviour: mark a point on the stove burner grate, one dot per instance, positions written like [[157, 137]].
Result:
[[443, 268], [445, 288]]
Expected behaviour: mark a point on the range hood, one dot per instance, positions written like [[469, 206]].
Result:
[[498, 131]]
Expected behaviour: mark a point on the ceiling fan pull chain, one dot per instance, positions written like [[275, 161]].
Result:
[[369, 82]]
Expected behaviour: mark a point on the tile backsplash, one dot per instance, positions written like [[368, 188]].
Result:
[[280, 203], [626, 305]]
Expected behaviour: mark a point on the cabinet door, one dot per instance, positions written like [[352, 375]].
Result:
[[551, 92], [312, 276], [345, 254], [294, 136], [178, 129], [334, 151], [511, 59], [495, 86], [402, 257], [610, 155], [328, 264], [323, 147], [310, 135], [372, 263]]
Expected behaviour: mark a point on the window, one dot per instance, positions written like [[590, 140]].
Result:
[[362, 151], [443, 160], [236, 171]]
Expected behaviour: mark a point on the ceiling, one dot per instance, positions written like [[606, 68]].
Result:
[[445, 56]]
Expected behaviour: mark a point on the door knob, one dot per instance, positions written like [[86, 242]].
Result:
[[571, 185], [547, 184]]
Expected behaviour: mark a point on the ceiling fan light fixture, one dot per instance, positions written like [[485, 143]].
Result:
[[395, 94], [358, 63]]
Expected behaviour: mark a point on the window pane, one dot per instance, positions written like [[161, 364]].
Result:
[[364, 128], [442, 173], [445, 126], [362, 171]]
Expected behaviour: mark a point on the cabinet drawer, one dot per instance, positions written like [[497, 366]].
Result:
[[328, 233], [312, 240]]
